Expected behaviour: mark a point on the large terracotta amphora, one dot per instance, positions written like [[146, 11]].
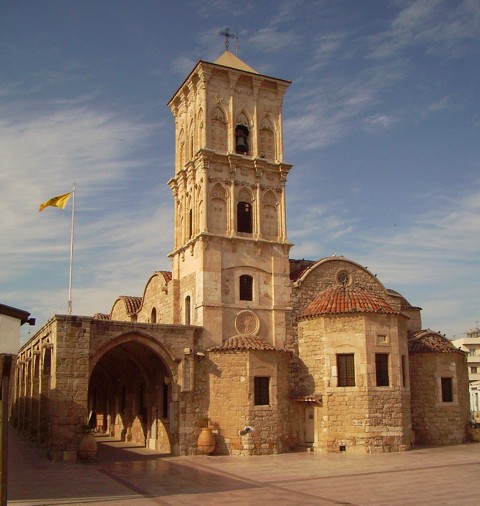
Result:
[[206, 441]]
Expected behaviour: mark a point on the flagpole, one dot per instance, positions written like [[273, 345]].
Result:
[[69, 304]]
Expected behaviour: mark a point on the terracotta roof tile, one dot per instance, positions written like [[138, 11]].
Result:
[[167, 275], [101, 316], [132, 304], [341, 300], [243, 343], [429, 341]]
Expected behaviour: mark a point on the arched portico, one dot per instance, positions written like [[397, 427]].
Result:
[[131, 383]]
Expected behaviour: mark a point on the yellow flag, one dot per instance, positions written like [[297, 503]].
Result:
[[60, 201]]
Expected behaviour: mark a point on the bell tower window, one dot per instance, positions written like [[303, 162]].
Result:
[[244, 217], [241, 139], [246, 287]]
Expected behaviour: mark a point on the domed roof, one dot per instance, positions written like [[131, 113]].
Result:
[[345, 300], [132, 304], [101, 316], [243, 343], [429, 341]]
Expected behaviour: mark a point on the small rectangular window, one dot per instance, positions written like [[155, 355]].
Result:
[[381, 369], [345, 370], [382, 339], [473, 370], [447, 389], [262, 390]]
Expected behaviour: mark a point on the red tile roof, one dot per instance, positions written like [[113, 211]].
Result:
[[346, 300], [167, 275], [243, 343], [132, 304], [101, 316], [429, 341]]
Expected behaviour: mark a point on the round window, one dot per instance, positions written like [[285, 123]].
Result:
[[343, 277]]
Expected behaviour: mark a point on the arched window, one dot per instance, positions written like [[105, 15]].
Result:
[[244, 212], [241, 139], [246, 287], [187, 310], [153, 316]]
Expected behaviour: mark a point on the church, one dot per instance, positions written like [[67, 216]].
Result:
[[266, 353]]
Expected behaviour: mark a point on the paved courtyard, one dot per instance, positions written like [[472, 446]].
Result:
[[127, 475]]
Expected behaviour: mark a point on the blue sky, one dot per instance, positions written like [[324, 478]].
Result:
[[382, 124]]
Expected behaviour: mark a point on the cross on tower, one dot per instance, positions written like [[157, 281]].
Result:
[[226, 33]]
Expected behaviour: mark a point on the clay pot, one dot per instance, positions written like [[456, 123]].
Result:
[[87, 448], [206, 441]]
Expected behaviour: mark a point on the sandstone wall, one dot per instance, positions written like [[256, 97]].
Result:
[[232, 406], [434, 421]]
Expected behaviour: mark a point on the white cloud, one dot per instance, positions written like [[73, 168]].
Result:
[[436, 25], [42, 155]]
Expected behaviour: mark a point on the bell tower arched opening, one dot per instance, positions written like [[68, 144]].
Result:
[[130, 391]]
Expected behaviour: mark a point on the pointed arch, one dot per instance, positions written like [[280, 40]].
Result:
[[245, 211], [266, 141], [242, 134], [269, 218], [219, 130], [218, 209]]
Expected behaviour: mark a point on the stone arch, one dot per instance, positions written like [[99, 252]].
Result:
[[219, 134], [245, 211], [243, 138], [269, 218], [217, 214], [266, 141], [131, 381]]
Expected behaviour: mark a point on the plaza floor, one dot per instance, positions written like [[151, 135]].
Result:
[[128, 475]]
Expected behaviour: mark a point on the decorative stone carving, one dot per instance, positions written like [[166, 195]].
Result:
[[247, 322]]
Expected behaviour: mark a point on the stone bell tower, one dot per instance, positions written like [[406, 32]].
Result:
[[230, 256]]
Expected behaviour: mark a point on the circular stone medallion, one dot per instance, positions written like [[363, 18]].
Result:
[[247, 322]]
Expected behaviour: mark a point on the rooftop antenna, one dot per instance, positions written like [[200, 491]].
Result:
[[226, 33]]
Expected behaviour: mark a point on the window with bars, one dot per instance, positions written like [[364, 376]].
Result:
[[447, 389], [381, 369], [246, 287], [345, 370], [262, 390]]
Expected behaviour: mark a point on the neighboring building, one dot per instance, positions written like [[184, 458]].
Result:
[[273, 353], [471, 345], [11, 319]]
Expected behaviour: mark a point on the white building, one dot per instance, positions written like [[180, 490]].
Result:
[[471, 345]]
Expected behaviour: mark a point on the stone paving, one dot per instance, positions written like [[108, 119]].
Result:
[[128, 475]]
